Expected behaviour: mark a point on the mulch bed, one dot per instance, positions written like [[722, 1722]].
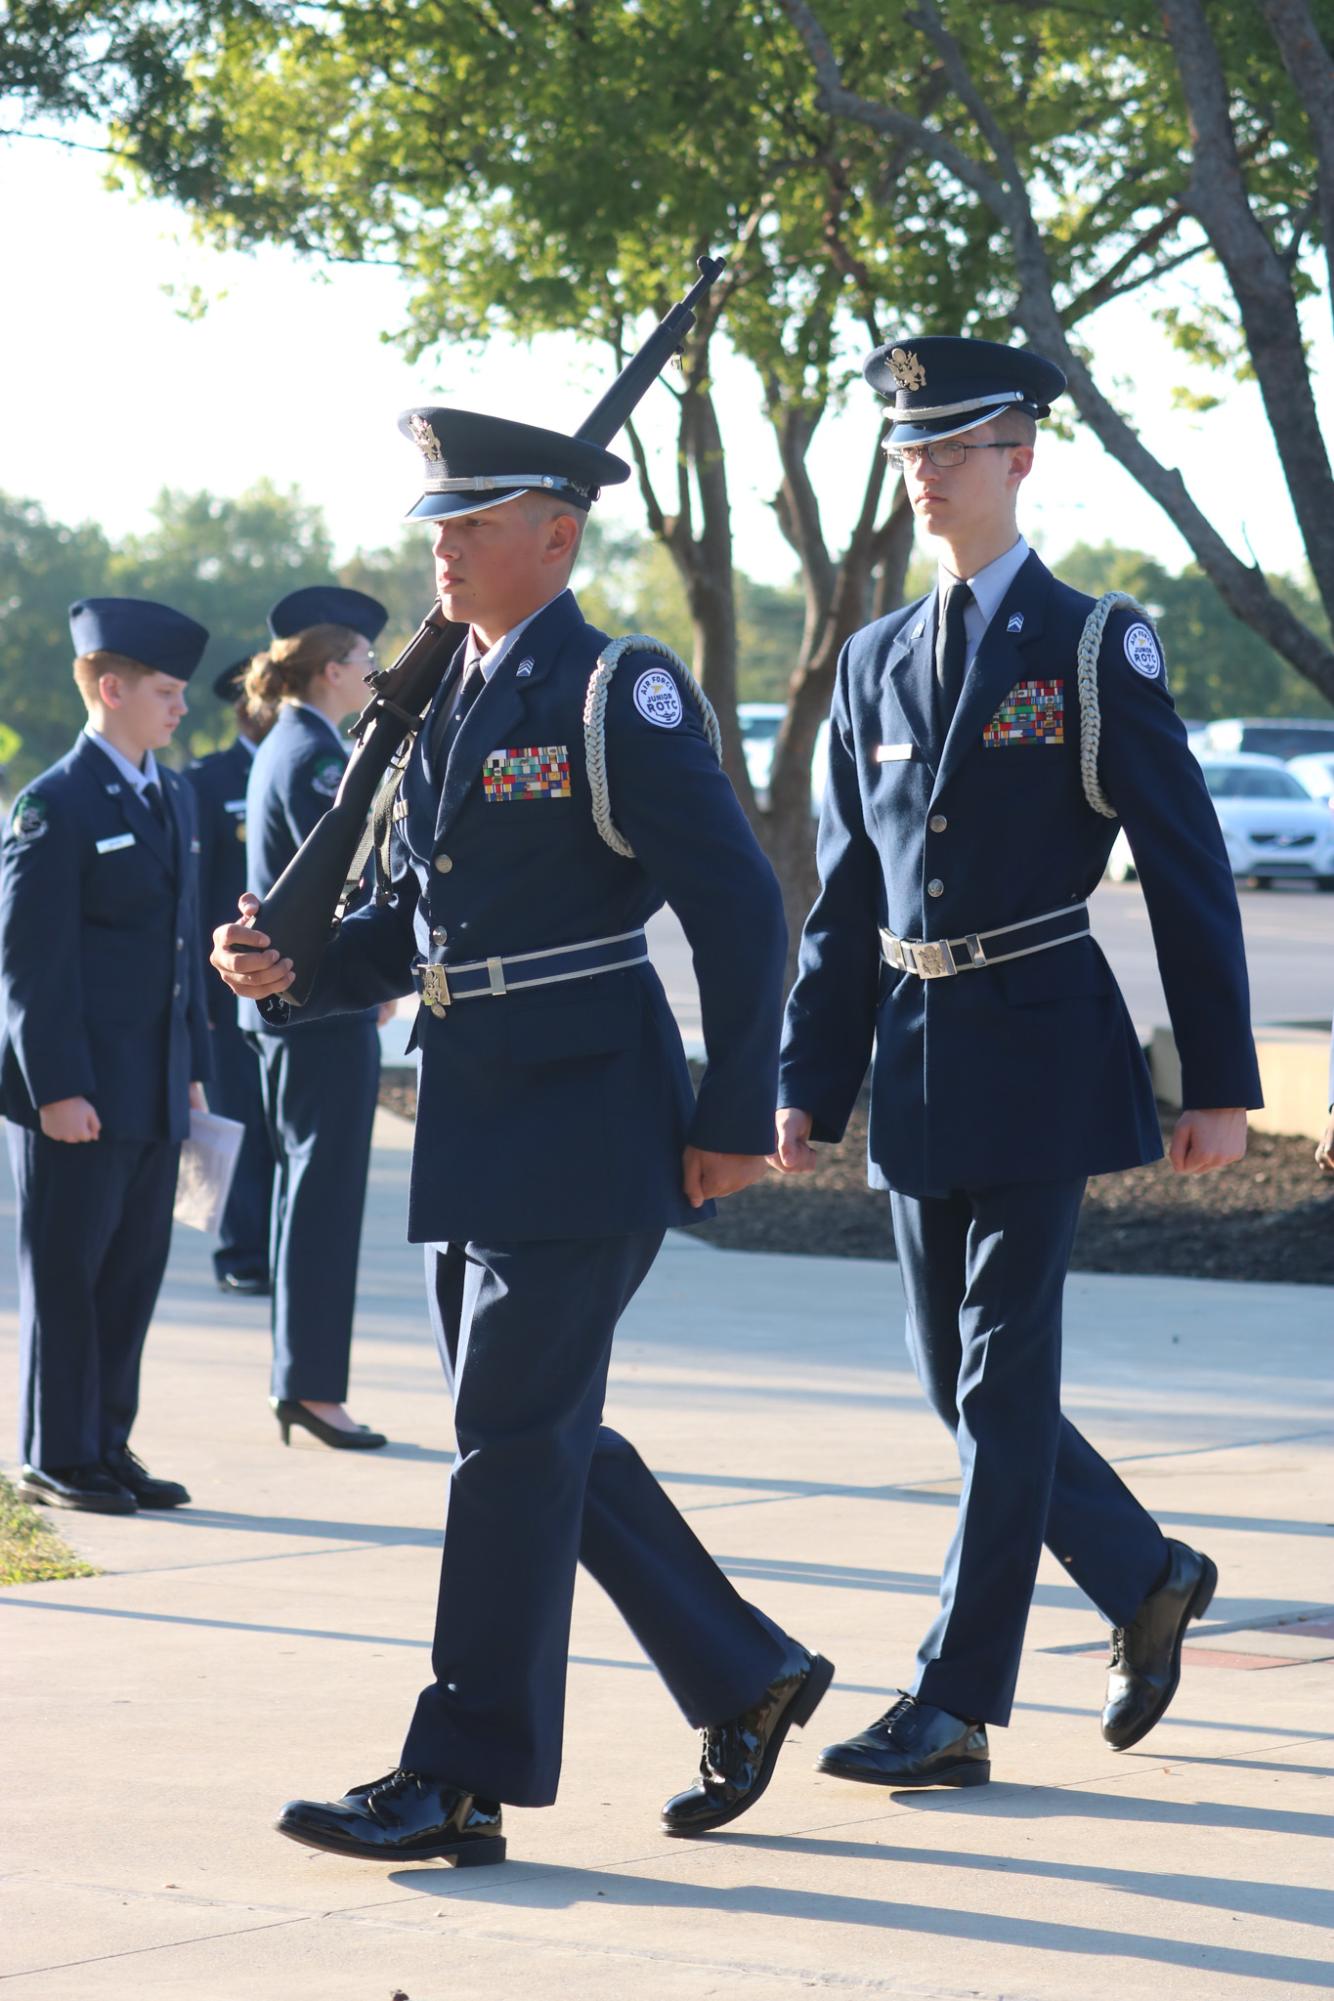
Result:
[[1270, 1217]]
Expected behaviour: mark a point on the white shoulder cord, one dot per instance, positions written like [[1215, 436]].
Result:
[[1090, 711], [595, 726]]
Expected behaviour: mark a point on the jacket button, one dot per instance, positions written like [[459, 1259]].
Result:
[[935, 887], [937, 823], [439, 936], [176, 992], [444, 864], [180, 944]]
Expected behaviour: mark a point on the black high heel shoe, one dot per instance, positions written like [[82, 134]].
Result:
[[363, 1439]]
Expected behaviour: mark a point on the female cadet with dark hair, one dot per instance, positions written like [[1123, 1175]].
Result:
[[320, 1079]]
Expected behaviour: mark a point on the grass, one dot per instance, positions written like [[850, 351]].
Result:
[[31, 1552]]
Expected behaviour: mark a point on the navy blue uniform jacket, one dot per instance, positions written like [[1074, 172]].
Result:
[[1029, 1071], [563, 1111], [99, 943], [219, 785]]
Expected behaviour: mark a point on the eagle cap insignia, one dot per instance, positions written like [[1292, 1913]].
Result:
[[427, 442], [906, 369]]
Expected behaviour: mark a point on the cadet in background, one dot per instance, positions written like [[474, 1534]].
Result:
[[241, 1259], [319, 1080], [104, 1030]]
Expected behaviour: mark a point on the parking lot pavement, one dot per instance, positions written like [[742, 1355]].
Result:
[[269, 1641]]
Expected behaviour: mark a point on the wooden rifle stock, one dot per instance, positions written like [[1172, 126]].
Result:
[[297, 916]]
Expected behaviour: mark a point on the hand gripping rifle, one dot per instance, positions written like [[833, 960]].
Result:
[[304, 907]]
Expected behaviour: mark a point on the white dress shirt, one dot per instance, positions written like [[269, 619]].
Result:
[[137, 778]]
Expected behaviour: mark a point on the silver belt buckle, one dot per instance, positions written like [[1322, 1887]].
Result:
[[933, 960], [435, 989]]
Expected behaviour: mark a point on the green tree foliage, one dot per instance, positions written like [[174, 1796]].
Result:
[[44, 566], [222, 561]]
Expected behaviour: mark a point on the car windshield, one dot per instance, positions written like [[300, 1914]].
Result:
[[1252, 781], [1275, 740], [760, 729]]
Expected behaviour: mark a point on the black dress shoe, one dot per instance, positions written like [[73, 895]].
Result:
[[363, 1439], [148, 1492], [1145, 1666], [913, 1744], [251, 1284], [91, 1488], [400, 1818], [740, 1755]]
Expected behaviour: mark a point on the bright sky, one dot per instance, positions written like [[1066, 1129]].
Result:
[[110, 394]]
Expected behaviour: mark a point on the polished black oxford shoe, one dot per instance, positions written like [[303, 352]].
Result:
[[400, 1818], [131, 1472], [90, 1488], [1145, 1666], [913, 1744], [739, 1756]]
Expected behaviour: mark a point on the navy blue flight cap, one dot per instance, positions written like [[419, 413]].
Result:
[[228, 686], [472, 462], [153, 634], [942, 384], [327, 604]]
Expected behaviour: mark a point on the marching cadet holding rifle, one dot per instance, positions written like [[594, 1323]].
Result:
[[984, 742], [241, 1260], [557, 1138], [104, 1029]]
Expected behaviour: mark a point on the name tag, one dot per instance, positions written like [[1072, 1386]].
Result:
[[895, 753], [114, 841], [233, 805]]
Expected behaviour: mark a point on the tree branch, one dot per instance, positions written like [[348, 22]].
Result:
[[1243, 588], [1311, 68]]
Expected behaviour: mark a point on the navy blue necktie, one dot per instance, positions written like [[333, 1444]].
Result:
[[446, 725], [951, 653]]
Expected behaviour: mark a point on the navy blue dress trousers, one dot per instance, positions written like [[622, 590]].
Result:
[[995, 1093]]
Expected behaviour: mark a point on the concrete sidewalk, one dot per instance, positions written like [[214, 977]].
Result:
[[270, 1641]]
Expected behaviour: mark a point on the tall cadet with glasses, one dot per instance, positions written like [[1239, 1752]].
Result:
[[976, 777]]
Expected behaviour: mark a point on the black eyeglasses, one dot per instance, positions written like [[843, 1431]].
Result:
[[949, 452]]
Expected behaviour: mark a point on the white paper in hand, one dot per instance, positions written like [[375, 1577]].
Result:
[[208, 1162]]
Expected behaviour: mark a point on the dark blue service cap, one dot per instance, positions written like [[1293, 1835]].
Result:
[[941, 385], [471, 462], [228, 686], [153, 634], [327, 604]]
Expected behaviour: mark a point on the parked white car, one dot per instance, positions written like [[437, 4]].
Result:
[[1273, 829], [1264, 736], [1316, 773], [760, 723]]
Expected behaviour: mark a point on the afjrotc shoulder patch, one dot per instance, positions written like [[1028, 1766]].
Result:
[[540, 771], [1032, 712]]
